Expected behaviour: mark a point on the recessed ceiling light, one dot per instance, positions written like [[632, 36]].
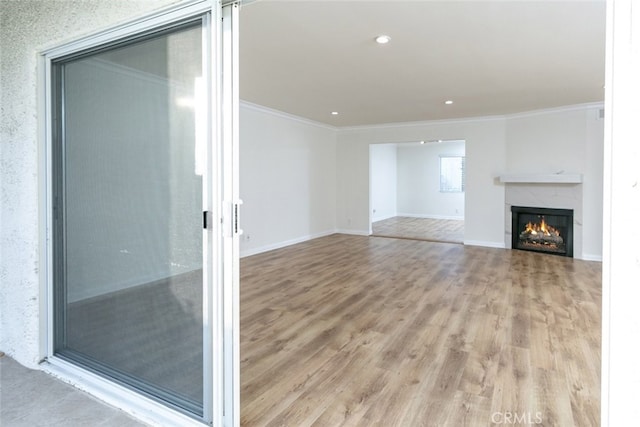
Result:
[[383, 39], [421, 142], [448, 102], [334, 113]]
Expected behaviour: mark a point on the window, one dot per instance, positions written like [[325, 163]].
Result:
[[452, 174]]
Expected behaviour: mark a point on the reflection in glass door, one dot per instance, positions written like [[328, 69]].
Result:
[[128, 176]]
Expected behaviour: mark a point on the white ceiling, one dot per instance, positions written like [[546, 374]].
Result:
[[310, 58]]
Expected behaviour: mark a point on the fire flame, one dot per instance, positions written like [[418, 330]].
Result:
[[541, 228]]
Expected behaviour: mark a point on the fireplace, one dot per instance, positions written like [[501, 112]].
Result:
[[542, 230]]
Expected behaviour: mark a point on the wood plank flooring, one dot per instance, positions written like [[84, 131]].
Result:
[[365, 331], [436, 230]]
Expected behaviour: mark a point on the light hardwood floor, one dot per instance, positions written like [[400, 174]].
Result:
[[366, 331], [437, 230]]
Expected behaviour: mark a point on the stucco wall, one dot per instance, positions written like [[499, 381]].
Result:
[[26, 27]]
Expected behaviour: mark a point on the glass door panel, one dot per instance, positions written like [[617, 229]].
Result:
[[128, 190]]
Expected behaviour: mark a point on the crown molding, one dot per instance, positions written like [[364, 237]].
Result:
[[273, 112], [567, 108], [421, 123], [532, 113], [562, 109]]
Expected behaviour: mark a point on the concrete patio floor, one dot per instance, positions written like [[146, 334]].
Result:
[[31, 398]]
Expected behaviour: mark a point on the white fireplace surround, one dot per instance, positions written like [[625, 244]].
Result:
[[554, 191]]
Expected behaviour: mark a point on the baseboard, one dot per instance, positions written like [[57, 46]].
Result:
[[591, 257], [353, 232], [382, 218], [425, 216], [498, 245], [285, 243]]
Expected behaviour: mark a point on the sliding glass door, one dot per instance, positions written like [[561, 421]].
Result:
[[142, 227], [130, 152]]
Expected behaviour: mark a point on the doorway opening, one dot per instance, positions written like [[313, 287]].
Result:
[[417, 190]]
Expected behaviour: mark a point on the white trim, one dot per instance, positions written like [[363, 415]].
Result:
[[274, 112], [284, 243], [591, 257], [212, 370], [215, 162], [382, 218], [462, 120], [541, 178], [486, 244], [45, 220], [421, 124], [129, 401], [353, 232], [428, 216], [607, 214], [229, 113], [277, 113], [561, 109], [173, 13]]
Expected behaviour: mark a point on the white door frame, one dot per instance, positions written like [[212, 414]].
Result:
[[231, 211], [621, 266]]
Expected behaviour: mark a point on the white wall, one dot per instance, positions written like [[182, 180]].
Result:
[[26, 28], [384, 181], [592, 186], [485, 159], [567, 140], [419, 192], [287, 179]]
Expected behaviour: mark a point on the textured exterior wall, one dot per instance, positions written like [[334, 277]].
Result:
[[26, 27]]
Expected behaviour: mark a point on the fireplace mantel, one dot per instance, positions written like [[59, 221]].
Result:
[[541, 178]]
